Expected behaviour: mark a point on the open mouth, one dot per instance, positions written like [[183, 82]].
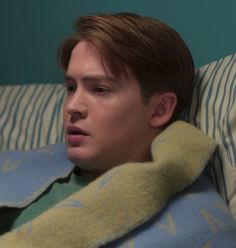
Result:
[[72, 130]]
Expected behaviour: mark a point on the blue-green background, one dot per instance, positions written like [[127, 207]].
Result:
[[31, 31]]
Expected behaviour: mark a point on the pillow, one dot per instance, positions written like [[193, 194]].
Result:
[[213, 110], [30, 116]]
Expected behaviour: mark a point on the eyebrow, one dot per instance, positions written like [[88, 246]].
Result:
[[89, 78]]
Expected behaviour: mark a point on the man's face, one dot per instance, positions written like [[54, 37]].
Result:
[[105, 120]]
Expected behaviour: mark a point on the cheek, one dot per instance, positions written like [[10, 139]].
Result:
[[123, 119]]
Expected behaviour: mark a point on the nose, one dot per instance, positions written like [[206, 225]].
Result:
[[76, 107]]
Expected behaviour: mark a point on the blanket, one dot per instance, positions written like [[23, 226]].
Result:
[[25, 175], [197, 218], [124, 198]]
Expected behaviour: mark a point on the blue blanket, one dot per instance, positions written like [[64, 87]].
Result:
[[152, 204], [25, 175], [196, 218]]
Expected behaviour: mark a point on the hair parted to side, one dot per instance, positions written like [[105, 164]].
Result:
[[153, 51]]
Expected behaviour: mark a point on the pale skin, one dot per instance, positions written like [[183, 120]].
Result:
[[106, 120]]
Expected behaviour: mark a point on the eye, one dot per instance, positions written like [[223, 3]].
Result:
[[70, 88], [99, 89]]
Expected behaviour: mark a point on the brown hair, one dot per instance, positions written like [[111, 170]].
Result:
[[153, 51]]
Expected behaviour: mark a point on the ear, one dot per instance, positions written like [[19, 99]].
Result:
[[163, 106]]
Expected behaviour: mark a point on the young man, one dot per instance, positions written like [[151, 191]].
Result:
[[127, 79]]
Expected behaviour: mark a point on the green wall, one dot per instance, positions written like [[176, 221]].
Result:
[[31, 31]]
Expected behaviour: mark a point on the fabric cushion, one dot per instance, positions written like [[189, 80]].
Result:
[[30, 116], [213, 110]]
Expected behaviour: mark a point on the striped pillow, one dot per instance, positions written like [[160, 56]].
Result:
[[30, 116], [213, 110]]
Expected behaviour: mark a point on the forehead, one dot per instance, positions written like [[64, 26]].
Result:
[[87, 57], [87, 62]]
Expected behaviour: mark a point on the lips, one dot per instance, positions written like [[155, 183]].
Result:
[[76, 136], [73, 130]]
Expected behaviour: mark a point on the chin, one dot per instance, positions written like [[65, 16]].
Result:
[[81, 157], [74, 154]]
